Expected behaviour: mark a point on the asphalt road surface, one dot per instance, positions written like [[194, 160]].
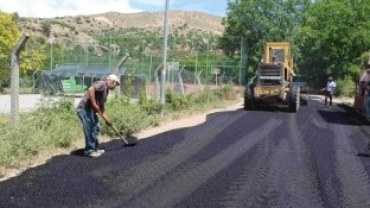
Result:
[[315, 158]]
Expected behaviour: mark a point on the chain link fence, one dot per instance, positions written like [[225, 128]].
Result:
[[4, 85], [67, 66], [4, 74]]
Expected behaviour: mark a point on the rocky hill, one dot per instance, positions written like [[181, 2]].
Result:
[[148, 21]]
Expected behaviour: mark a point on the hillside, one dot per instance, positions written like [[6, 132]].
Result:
[[99, 23]]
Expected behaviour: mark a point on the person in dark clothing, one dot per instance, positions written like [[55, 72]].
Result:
[[93, 102]]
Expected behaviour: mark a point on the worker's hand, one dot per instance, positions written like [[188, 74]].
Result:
[[96, 107], [108, 122]]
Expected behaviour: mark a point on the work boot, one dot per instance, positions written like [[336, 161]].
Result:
[[93, 154]]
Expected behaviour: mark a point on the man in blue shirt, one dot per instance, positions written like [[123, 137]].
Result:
[[328, 90]]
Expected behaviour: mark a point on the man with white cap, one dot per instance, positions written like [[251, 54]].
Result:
[[94, 102]]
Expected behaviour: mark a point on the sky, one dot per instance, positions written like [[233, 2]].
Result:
[[59, 8]]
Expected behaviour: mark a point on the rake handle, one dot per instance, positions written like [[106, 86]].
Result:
[[114, 129]]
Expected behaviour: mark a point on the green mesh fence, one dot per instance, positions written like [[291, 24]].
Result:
[[146, 54], [199, 56]]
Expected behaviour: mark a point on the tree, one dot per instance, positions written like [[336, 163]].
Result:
[[46, 28], [260, 22], [15, 16], [32, 58], [333, 36], [9, 35]]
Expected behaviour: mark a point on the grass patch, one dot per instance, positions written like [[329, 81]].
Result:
[[52, 125]]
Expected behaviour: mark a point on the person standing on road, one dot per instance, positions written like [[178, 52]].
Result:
[[363, 81], [94, 102], [329, 90], [365, 85]]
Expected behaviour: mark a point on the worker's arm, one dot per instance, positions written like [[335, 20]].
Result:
[[92, 98], [107, 119], [91, 91]]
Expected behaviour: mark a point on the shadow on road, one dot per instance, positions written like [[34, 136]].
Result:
[[354, 113], [339, 116], [363, 155], [335, 117], [78, 152]]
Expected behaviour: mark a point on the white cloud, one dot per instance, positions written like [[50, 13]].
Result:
[[151, 2], [156, 2], [58, 8]]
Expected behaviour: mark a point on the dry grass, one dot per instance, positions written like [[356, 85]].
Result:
[[4, 119]]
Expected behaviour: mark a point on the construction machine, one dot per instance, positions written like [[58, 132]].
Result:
[[273, 82]]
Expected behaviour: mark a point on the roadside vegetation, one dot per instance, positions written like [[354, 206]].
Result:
[[55, 124]]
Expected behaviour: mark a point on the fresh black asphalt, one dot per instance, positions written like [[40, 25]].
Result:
[[317, 157]]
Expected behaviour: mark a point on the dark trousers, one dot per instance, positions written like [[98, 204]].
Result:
[[330, 96]]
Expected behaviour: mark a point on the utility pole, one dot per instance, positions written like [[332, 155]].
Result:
[[51, 38], [163, 71]]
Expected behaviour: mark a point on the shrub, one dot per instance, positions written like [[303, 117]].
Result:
[[129, 117], [227, 92], [176, 102], [346, 87], [207, 96], [149, 105]]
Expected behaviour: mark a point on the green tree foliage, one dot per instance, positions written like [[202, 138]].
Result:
[[333, 36], [260, 22], [15, 16], [32, 59], [9, 35], [46, 28]]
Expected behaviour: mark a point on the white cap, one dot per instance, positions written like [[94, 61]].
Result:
[[114, 78]]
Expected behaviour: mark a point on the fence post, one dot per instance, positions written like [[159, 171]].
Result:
[[14, 111], [156, 82], [162, 99], [180, 80]]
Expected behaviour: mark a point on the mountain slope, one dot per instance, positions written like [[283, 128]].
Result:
[[149, 21]]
